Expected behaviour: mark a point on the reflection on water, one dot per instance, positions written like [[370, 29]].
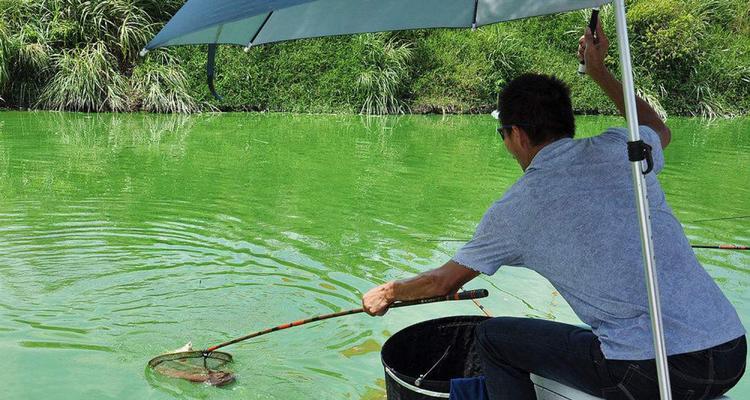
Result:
[[122, 236]]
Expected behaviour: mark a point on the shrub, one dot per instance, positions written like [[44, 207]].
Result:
[[86, 79], [385, 69], [161, 86]]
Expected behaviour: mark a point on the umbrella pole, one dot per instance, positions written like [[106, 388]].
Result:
[[641, 198]]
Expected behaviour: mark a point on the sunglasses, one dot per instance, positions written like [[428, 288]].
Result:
[[501, 129]]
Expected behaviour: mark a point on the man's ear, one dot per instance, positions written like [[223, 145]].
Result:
[[522, 138]]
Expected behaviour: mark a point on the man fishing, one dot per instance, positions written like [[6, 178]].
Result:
[[570, 218]]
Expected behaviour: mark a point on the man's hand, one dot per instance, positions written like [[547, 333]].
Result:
[[377, 300], [436, 282], [592, 52]]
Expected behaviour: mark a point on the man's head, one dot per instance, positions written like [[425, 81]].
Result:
[[535, 111]]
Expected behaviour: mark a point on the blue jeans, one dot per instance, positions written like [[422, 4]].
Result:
[[511, 348]]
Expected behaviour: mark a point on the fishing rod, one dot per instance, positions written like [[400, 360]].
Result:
[[695, 246], [466, 295], [204, 365], [720, 246]]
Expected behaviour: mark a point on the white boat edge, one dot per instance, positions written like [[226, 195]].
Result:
[[547, 389]]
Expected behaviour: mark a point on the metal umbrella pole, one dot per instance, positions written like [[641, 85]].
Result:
[[641, 198]]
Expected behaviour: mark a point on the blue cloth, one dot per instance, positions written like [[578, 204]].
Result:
[[468, 389], [572, 219]]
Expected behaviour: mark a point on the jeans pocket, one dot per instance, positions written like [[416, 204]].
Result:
[[729, 362], [635, 384], [691, 368]]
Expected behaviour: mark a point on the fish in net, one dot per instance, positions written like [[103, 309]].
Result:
[[195, 366]]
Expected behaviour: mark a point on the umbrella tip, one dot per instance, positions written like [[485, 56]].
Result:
[[473, 26], [247, 48], [143, 52]]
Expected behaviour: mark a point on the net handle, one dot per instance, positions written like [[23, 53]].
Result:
[[465, 295]]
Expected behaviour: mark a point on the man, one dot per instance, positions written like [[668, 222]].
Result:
[[571, 218]]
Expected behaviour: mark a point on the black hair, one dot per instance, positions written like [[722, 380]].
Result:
[[540, 105]]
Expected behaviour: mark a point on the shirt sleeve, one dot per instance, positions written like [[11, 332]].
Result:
[[493, 244], [649, 136]]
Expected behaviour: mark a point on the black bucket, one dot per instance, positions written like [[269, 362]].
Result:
[[421, 359]]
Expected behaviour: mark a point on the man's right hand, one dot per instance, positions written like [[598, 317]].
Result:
[[592, 52], [436, 282], [377, 300]]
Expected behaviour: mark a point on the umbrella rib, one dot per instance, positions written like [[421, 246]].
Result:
[[218, 33], [260, 28]]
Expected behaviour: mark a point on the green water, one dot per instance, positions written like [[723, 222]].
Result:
[[123, 236]]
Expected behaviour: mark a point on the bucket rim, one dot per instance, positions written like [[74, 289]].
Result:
[[416, 389]]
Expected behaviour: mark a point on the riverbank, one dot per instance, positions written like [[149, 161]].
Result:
[[690, 58]]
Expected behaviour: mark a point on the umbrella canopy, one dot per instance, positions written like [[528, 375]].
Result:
[[248, 22]]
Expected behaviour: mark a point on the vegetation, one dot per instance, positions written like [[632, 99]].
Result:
[[691, 57], [81, 55], [386, 67]]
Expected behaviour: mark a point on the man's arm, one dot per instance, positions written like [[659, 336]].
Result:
[[594, 54], [437, 282]]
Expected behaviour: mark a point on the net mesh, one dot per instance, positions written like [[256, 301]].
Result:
[[195, 366]]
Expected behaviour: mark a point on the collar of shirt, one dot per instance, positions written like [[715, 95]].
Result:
[[549, 153]]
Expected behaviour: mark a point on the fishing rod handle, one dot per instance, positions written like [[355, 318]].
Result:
[[592, 26], [720, 247], [465, 295]]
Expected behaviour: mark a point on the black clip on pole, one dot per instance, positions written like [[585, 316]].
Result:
[[639, 151]]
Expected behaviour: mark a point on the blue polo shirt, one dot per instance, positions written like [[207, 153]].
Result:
[[571, 218]]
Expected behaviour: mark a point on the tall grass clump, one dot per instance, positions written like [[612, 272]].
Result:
[[4, 59], [385, 63], [81, 55], [162, 87], [86, 79]]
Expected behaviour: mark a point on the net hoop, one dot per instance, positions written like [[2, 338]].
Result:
[[184, 355]]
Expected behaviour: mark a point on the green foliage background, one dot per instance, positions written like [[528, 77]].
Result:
[[690, 57]]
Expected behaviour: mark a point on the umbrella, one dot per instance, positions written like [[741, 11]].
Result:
[[248, 23], [255, 22]]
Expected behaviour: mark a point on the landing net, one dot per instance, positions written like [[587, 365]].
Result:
[[195, 366]]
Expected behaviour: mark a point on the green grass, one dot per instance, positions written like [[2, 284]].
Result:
[[690, 58]]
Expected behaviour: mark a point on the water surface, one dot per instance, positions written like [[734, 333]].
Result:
[[123, 236]]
